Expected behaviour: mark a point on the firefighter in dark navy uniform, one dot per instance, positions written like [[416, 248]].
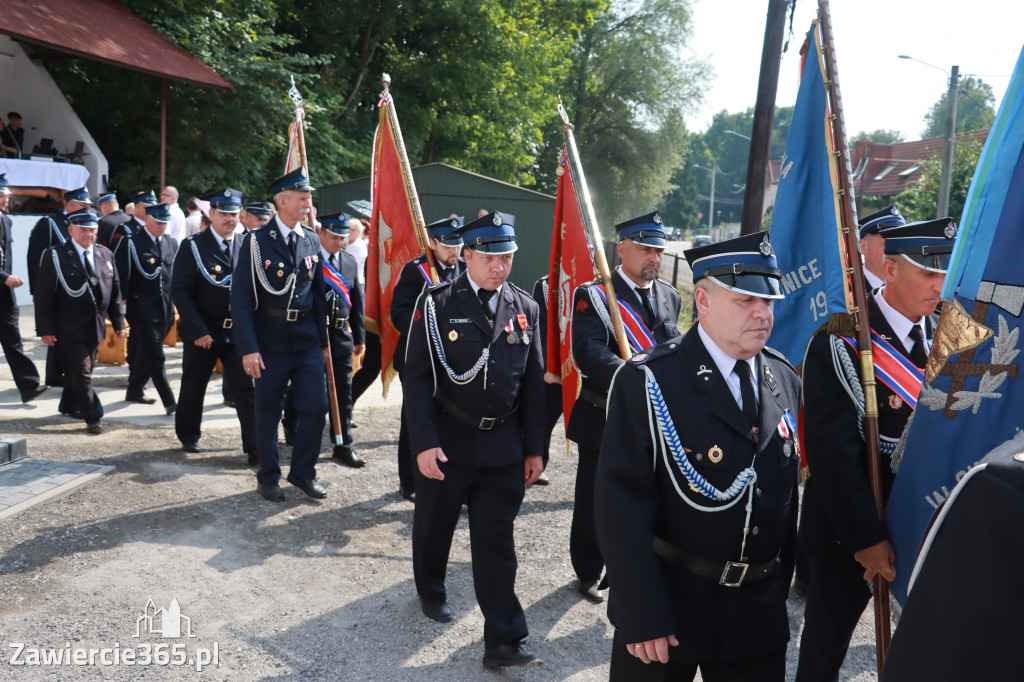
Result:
[[201, 290], [50, 231], [474, 398], [279, 314], [696, 494], [845, 542], [144, 265], [595, 351], [346, 329], [414, 278], [76, 292]]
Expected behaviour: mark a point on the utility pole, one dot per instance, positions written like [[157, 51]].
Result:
[[764, 115], [947, 150], [711, 208]]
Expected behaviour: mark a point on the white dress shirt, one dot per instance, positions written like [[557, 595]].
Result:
[[726, 365]]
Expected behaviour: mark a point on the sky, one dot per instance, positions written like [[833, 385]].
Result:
[[879, 90]]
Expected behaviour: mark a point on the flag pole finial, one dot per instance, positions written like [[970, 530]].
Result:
[[564, 115], [386, 79]]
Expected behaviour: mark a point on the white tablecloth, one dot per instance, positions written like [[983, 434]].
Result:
[[21, 173]]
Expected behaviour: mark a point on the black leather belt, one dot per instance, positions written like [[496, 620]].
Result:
[[727, 573], [287, 313], [341, 323], [226, 323], [594, 399], [482, 423]]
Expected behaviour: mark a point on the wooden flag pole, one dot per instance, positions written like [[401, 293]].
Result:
[[593, 233], [848, 217], [332, 390]]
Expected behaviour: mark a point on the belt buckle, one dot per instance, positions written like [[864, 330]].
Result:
[[733, 574], [341, 324], [227, 323], [487, 423], [291, 315]]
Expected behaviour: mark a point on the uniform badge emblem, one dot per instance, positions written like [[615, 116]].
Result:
[[769, 378], [152, 260], [656, 218], [417, 315], [453, 335], [640, 357], [704, 370], [765, 247], [216, 268], [280, 273], [511, 338], [581, 306], [526, 339], [310, 274], [497, 220], [316, 258], [227, 193], [895, 402], [715, 454], [950, 230], [273, 234]]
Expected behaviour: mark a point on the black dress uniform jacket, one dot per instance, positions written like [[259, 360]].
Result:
[[72, 318], [964, 617], [264, 333], [514, 378], [838, 503], [407, 291], [108, 225], [596, 352], [48, 231], [637, 500], [347, 326], [203, 306], [147, 300]]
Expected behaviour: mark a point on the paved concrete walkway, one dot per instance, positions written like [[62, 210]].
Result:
[[28, 482]]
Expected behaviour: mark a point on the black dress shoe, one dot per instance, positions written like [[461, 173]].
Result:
[[509, 655], [74, 414], [33, 393], [542, 479], [353, 425], [407, 494], [289, 436], [94, 428], [171, 409], [253, 458], [590, 590], [190, 447], [270, 491], [310, 486], [141, 398], [347, 456], [442, 613], [229, 403]]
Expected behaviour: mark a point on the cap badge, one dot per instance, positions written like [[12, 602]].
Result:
[[765, 247], [227, 193], [657, 218], [715, 454], [950, 230], [455, 223], [497, 220]]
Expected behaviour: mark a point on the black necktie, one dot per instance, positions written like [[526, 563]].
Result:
[[88, 266], [291, 244], [333, 262], [742, 370], [446, 274], [645, 298], [485, 300], [227, 248], [919, 353]]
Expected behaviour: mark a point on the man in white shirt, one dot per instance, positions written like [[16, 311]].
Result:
[[176, 228]]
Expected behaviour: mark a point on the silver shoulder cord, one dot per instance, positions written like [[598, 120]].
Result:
[[73, 293], [134, 255], [223, 284], [55, 231], [261, 276], [664, 436], [434, 338]]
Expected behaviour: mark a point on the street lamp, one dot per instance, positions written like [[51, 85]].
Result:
[[745, 137], [947, 150], [714, 170]]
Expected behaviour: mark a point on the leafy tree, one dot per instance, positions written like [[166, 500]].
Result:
[[881, 136], [626, 94], [975, 109], [918, 202]]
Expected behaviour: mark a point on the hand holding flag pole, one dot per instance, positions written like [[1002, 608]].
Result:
[[848, 217], [594, 233]]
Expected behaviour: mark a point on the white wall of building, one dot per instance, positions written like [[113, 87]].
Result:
[[29, 90]]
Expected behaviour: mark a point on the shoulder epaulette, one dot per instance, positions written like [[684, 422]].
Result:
[[522, 291], [659, 351], [778, 356]]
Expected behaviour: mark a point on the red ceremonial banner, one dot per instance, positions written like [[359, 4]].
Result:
[[571, 265], [392, 238]]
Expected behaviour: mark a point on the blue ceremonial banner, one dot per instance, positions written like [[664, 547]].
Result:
[[805, 226], [973, 397]]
